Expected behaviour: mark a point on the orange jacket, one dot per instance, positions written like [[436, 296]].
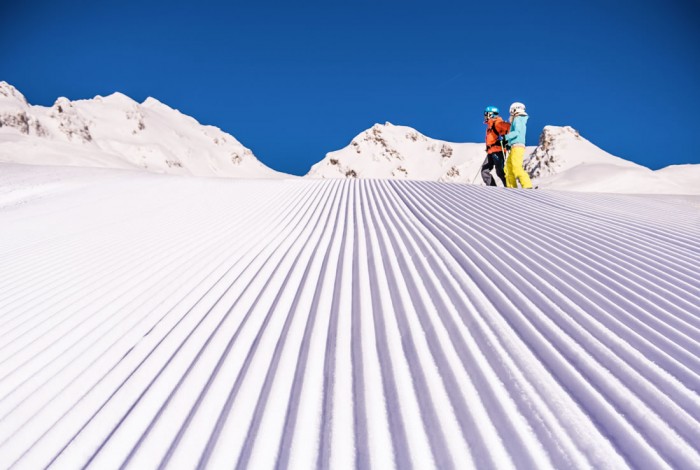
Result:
[[495, 127]]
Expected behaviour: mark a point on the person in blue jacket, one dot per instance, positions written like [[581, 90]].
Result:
[[516, 139]]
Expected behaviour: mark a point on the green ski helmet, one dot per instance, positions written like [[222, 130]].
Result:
[[490, 112]]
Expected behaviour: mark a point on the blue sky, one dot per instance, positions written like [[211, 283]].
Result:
[[294, 81]]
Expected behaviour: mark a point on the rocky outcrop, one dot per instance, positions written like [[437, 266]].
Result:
[[545, 160]]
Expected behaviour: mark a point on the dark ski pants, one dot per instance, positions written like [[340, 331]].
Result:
[[496, 159]]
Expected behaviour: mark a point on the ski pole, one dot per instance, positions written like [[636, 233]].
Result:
[[477, 175], [505, 155], [503, 149]]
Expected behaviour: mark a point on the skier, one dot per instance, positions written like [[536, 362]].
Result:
[[496, 127], [516, 139]]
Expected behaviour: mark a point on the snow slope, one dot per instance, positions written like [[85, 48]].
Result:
[[684, 174], [563, 148], [153, 320], [565, 160], [117, 132]]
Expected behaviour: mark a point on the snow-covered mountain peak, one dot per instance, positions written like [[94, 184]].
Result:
[[550, 132], [15, 112], [64, 106], [116, 99], [384, 141], [565, 160], [11, 100], [563, 148], [115, 131], [10, 94], [386, 134], [394, 151], [158, 106], [154, 103]]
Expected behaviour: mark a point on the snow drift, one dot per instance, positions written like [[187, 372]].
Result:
[[153, 321]]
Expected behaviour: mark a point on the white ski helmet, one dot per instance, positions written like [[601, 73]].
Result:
[[517, 109]]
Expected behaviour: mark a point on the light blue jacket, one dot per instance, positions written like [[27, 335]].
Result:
[[516, 136]]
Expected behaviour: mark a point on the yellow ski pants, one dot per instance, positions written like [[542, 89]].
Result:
[[514, 169]]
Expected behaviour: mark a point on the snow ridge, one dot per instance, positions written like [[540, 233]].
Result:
[[563, 148], [346, 323], [117, 132], [400, 152], [563, 160]]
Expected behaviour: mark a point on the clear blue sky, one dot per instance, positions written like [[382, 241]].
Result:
[[295, 80]]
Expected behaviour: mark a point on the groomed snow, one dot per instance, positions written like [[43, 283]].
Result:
[[151, 320]]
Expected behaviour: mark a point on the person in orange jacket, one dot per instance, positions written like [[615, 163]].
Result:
[[495, 151]]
